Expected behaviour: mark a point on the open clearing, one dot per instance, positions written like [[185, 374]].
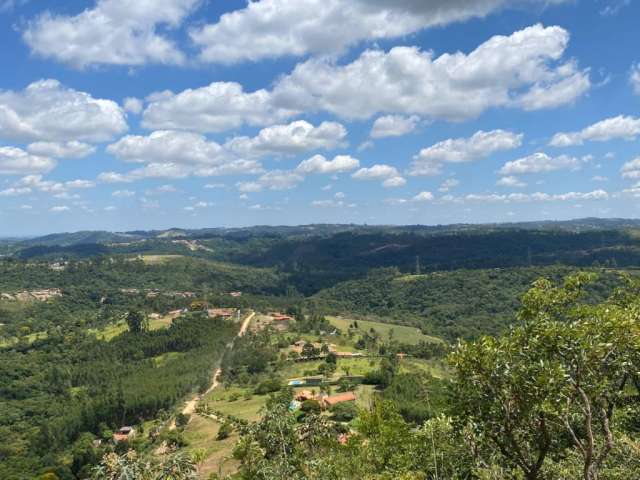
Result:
[[401, 333], [115, 329], [159, 259], [201, 435]]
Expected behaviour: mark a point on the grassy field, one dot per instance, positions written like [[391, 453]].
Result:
[[115, 329], [233, 401], [201, 435], [159, 259], [436, 368], [401, 333], [201, 431]]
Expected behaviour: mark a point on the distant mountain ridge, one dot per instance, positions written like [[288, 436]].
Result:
[[66, 239]]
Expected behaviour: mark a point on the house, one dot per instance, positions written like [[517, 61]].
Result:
[[221, 312], [401, 356], [303, 395], [124, 434], [280, 317], [330, 401], [235, 294], [344, 354], [298, 346]]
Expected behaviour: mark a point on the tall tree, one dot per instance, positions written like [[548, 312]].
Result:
[[137, 321]]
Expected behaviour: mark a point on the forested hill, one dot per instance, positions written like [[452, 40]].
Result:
[[324, 256], [452, 305], [85, 237]]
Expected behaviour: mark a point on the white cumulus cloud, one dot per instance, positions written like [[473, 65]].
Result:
[[631, 169], [634, 78], [275, 28], [394, 126], [113, 32], [539, 163], [458, 150], [296, 137], [423, 197], [623, 126], [389, 175], [319, 164], [511, 181], [217, 107], [15, 161], [175, 154], [71, 149], [47, 111], [504, 71]]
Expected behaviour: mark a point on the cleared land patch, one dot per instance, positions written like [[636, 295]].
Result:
[[401, 333]]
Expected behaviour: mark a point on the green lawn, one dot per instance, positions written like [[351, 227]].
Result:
[[401, 333], [222, 400], [355, 366]]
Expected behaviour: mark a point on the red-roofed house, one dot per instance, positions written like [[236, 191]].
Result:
[[332, 400]]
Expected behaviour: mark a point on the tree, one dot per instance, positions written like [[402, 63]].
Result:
[[177, 467], [137, 321], [562, 373], [308, 350], [123, 467], [310, 406], [224, 431], [182, 420], [344, 412], [597, 349]]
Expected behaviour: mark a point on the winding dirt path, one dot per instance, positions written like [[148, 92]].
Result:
[[190, 406]]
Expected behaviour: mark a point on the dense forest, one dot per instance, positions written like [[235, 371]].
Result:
[[54, 390], [451, 304]]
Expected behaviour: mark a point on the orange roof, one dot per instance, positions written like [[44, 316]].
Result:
[[340, 398], [304, 395]]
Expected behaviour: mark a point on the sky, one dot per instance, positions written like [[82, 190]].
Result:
[[120, 115]]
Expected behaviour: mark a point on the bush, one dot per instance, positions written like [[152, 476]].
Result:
[[344, 412], [268, 386], [182, 420], [310, 406], [374, 377], [225, 430]]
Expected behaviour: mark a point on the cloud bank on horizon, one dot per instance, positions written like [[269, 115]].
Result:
[[163, 113]]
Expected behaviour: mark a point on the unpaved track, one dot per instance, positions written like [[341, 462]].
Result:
[[190, 406]]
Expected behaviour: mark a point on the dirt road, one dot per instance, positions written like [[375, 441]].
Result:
[[190, 406]]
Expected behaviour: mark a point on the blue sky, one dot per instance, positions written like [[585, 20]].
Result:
[[122, 115]]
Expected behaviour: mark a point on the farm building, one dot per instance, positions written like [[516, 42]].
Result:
[[221, 312], [328, 402], [124, 434], [280, 317]]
